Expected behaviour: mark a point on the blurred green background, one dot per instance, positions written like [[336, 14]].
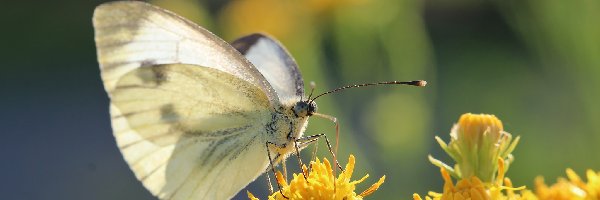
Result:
[[533, 63]]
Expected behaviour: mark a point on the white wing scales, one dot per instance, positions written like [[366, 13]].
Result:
[[191, 131]]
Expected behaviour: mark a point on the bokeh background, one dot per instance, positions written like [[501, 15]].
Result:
[[533, 63]]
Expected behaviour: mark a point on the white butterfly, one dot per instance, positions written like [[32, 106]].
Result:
[[192, 116]]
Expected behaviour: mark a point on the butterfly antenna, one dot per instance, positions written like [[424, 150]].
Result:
[[419, 83], [313, 85]]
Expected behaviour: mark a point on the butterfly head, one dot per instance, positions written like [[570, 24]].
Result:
[[305, 108]]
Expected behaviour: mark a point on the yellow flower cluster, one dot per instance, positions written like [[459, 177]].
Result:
[[482, 151], [322, 184]]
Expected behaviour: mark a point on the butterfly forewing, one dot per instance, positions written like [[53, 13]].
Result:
[[130, 34], [274, 63], [189, 131]]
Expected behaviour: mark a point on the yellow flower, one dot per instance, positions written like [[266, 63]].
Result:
[[573, 188], [481, 149], [475, 144], [473, 188], [321, 184]]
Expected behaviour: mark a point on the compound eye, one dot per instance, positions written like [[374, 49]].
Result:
[[312, 108]]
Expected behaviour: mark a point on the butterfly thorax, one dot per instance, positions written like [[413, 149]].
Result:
[[288, 124]]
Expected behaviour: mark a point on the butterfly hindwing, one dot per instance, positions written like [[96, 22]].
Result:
[[189, 131], [274, 62]]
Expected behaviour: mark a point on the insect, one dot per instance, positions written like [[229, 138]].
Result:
[[194, 116]]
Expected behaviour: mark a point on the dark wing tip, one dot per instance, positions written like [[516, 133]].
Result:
[[244, 43]]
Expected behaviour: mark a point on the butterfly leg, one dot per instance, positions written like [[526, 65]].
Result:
[[269, 181], [307, 140], [300, 159], [273, 166], [304, 144]]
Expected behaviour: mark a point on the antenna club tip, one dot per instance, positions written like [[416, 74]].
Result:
[[420, 83]]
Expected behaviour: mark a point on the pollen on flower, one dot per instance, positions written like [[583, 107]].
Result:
[[322, 184]]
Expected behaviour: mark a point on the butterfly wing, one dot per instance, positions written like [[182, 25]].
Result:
[[187, 130], [190, 132], [130, 34], [274, 62]]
